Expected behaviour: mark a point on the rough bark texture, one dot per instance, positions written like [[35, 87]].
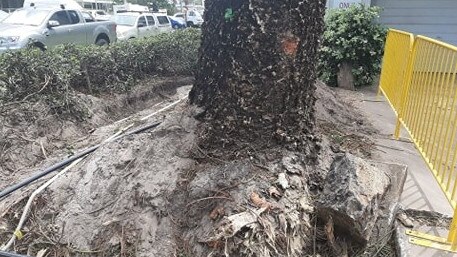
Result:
[[257, 71], [354, 195]]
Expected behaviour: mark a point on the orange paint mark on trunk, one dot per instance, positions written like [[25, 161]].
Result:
[[290, 45]]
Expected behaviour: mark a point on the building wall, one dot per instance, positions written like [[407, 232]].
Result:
[[433, 18], [341, 4]]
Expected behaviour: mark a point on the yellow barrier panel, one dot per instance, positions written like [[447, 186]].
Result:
[[426, 105], [430, 109], [397, 51]]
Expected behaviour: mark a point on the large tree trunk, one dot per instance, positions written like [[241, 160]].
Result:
[[256, 73]]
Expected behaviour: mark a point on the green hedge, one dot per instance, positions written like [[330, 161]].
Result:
[[58, 74], [353, 36]]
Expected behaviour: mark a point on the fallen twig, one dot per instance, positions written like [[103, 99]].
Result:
[[103, 207], [208, 198], [43, 150], [373, 101], [390, 147], [314, 237], [209, 157], [122, 242]]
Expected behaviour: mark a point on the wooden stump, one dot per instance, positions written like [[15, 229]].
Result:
[[345, 77]]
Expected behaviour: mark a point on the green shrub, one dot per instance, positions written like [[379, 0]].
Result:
[[58, 74], [353, 36]]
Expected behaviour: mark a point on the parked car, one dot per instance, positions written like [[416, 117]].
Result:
[[100, 15], [136, 25], [3, 15], [192, 17], [47, 27], [177, 23]]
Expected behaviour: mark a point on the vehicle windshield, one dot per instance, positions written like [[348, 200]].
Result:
[[29, 16], [124, 20]]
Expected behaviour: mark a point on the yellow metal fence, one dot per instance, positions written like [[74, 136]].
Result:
[[397, 52], [418, 78]]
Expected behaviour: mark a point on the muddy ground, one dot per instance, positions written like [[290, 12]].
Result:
[[157, 193]]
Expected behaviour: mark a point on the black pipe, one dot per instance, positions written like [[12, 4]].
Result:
[[64, 163], [7, 254]]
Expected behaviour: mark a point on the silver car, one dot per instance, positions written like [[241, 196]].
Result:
[[132, 25], [46, 27]]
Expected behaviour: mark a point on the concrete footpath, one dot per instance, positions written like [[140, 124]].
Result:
[[421, 191]]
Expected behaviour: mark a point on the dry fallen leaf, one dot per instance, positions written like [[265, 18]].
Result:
[[329, 232], [217, 212], [282, 181], [273, 191], [259, 202], [214, 244], [41, 253], [405, 220]]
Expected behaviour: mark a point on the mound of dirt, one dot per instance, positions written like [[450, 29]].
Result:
[[341, 123], [30, 134], [159, 194], [116, 200]]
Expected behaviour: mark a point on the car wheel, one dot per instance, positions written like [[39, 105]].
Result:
[[190, 24], [102, 42], [175, 26]]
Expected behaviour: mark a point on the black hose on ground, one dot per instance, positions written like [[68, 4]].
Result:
[[7, 254], [67, 161]]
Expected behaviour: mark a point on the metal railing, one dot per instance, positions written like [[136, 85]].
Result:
[[418, 78], [399, 45]]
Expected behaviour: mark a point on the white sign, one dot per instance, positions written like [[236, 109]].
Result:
[[343, 4]]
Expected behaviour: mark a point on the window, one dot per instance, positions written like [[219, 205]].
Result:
[[87, 17], [163, 20], [100, 13], [192, 13], [142, 19], [124, 20], [151, 21], [180, 16], [61, 17], [74, 18], [11, 4]]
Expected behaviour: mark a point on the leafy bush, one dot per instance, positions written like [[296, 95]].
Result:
[[353, 36], [58, 74]]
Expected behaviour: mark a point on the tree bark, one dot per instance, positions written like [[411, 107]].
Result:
[[256, 73]]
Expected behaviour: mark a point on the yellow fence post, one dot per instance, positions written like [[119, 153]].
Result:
[[396, 62], [452, 237], [405, 87]]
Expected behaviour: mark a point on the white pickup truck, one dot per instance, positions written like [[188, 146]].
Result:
[[46, 27], [132, 25], [192, 17]]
